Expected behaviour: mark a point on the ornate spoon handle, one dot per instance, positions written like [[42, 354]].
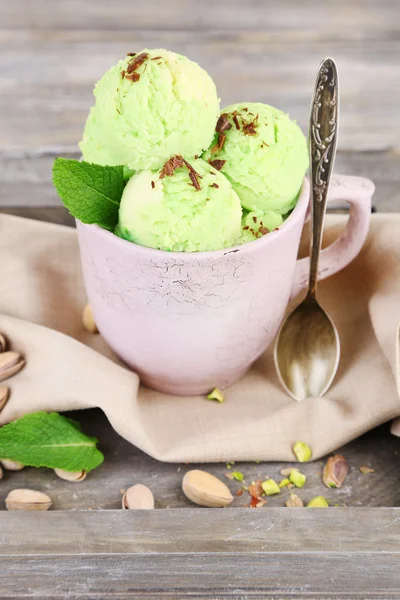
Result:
[[322, 139]]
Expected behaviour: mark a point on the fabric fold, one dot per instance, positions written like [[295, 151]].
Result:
[[41, 300]]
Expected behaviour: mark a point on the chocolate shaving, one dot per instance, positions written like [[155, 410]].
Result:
[[215, 185], [153, 185], [236, 121], [263, 230], [134, 63], [217, 164], [194, 176], [131, 53], [178, 161], [173, 163], [133, 77], [248, 129], [156, 58], [219, 145], [223, 123], [194, 180]]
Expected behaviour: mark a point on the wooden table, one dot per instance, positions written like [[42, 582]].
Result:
[[51, 53]]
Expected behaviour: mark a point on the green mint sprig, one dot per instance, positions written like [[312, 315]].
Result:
[[92, 193], [49, 440]]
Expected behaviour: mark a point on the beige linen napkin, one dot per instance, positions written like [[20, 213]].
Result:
[[41, 299]]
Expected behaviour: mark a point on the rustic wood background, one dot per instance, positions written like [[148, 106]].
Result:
[[52, 52]]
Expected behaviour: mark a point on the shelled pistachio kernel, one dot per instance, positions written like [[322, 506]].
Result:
[[297, 478], [318, 502], [270, 487], [284, 482], [302, 451], [88, 320], [216, 395]]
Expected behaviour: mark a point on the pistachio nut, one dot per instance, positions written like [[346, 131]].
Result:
[[23, 499], [335, 471], [302, 451], [4, 396], [11, 465], [216, 395], [297, 478], [294, 501], [284, 482], [138, 497], [74, 476], [10, 364], [366, 470], [270, 487], [88, 320], [204, 489], [3, 343], [318, 502]]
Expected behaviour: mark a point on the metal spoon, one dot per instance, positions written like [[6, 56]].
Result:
[[307, 349]]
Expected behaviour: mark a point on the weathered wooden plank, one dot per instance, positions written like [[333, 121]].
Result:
[[125, 465], [270, 531], [178, 554], [45, 100], [25, 180], [338, 18], [206, 576]]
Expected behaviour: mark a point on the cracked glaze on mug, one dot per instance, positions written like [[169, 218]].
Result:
[[189, 322]]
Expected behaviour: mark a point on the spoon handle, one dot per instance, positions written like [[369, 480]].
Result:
[[322, 141]]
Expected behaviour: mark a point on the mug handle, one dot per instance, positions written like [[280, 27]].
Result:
[[357, 191]]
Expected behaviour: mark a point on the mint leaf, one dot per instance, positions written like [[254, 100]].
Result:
[[49, 440], [91, 193]]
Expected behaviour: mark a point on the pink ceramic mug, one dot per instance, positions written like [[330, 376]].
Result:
[[189, 322]]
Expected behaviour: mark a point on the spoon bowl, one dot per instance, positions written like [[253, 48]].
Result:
[[307, 351]]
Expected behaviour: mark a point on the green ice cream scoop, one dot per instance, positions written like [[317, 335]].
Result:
[[185, 207], [150, 106], [264, 155]]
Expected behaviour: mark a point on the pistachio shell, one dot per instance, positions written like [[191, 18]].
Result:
[[3, 343], [204, 489], [24, 499], [138, 497], [294, 501], [11, 465], [4, 396], [10, 364], [74, 476], [335, 471]]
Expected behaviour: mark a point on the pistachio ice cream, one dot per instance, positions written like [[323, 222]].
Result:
[[264, 155], [151, 105], [184, 207]]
